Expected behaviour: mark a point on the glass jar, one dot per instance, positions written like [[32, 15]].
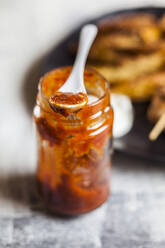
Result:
[[73, 170]]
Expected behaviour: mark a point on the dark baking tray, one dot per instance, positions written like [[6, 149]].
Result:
[[136, 142]]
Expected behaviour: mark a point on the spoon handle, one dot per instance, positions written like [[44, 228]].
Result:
[[87, 37], [75, 80]]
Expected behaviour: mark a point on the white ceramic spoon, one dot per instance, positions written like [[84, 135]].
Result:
[[75, 82]]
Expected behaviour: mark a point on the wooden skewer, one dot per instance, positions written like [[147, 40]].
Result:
[[158, 128]]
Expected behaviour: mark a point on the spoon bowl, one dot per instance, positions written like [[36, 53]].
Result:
[[68, 100]]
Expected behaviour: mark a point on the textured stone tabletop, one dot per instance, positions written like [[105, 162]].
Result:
[[134, 215]]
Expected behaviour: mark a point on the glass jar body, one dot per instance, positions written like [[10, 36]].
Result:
[[73, 170]]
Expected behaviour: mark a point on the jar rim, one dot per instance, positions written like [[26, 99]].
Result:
[[88, 68]]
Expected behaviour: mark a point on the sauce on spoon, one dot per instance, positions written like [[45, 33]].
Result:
[[66, 103]]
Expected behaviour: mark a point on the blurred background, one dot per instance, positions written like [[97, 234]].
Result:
[[29, 30]]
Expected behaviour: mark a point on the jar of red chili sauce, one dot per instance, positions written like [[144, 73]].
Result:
[[73, 172]]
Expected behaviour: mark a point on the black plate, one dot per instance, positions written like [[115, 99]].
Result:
[[136, 142]]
